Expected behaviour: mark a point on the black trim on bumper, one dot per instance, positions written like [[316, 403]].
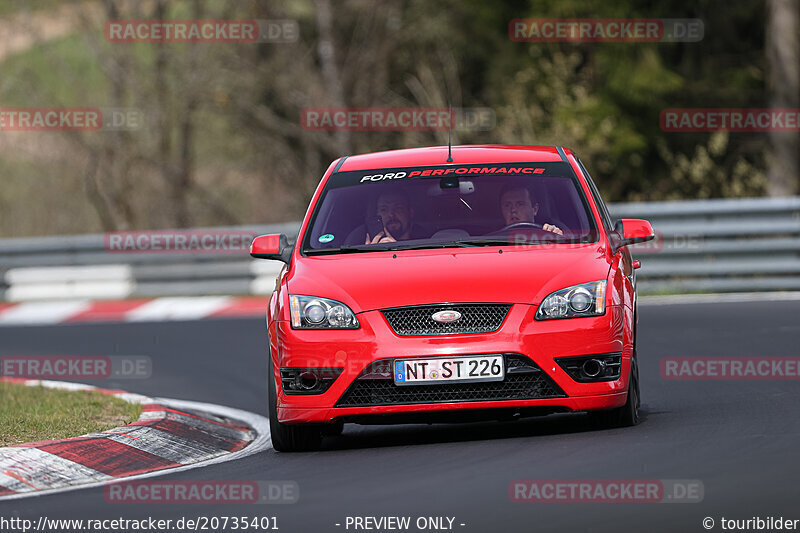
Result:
[[524, 380], [611, 364]]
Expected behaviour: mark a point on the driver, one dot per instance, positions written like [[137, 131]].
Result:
[[517, 207], [397, 218]]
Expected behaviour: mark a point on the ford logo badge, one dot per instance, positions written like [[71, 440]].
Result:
[[445, 317]]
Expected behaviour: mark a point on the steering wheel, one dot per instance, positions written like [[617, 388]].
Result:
[[517, 225]]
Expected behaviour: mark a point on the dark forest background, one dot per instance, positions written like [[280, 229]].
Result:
[[222, 142]]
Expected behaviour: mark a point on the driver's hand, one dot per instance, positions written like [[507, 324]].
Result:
[[383, 236], [553, 229]]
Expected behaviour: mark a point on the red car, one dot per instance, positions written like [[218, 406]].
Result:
[[486, 282]]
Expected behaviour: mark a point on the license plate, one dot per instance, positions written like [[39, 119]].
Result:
[[449, 369]]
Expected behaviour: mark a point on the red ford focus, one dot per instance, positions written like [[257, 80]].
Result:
[[424, 286]]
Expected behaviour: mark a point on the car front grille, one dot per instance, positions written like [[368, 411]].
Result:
[[524, 380], [475, 318]]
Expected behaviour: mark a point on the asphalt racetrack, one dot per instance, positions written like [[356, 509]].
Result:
[[740, 438]]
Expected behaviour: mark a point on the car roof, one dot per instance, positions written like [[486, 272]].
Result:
[[462, 155]]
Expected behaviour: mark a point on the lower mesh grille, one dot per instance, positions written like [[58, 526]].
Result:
[[474, 318], [523, 381]]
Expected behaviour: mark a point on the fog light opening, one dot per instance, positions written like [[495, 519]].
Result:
[[306, 381], [593, 367]]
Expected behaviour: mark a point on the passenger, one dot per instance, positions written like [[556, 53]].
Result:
[[396, 216]]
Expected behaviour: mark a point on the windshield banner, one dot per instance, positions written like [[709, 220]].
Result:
[[357, 177]]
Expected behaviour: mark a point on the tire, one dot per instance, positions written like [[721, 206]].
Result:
[[289, 437], [628, 414]]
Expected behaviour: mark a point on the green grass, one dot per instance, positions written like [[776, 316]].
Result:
[[29, 414], [11, 7], [57, 73]]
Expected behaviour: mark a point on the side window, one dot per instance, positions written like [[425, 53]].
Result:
[[601, 206]]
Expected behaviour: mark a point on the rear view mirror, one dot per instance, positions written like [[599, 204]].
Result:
[[274, 247], [451, 185], [631, 231]]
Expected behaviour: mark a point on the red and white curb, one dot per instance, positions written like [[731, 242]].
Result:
[[152, 310], [169, 436], [35, 313]]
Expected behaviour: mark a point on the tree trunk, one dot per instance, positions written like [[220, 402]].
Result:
[[326, 49], [783, 62]]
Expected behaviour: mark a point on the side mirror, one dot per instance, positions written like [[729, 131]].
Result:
[[274, 247], [631, 231]]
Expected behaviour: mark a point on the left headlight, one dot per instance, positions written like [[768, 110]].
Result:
[[586, 299], [311, 312]]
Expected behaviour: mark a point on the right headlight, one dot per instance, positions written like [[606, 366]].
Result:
[[311, 312], [586, 299]]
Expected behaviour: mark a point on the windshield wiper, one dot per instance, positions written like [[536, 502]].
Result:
[[430, 245], [556, 239], [385, 247], [485, 242], [450, 244], [347, 249], [464, 243]]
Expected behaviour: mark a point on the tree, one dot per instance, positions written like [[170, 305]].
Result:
[[783, 63]]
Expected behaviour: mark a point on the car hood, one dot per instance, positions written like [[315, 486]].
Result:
[[376, 280]]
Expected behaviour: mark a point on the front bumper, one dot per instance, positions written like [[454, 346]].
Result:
[[542, 342]]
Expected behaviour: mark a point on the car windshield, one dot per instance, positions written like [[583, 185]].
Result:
[[432, 207]]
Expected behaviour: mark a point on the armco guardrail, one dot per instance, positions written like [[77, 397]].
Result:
[[725, 245], [81, 266], [702, 246]]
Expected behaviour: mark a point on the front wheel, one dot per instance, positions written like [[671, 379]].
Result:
[[628, 414], [289, 437]]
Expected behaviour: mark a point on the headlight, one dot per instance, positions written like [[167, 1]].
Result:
[[586, 299], [310, 312]]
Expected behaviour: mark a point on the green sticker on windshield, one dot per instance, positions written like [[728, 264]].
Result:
[[328, 237]]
